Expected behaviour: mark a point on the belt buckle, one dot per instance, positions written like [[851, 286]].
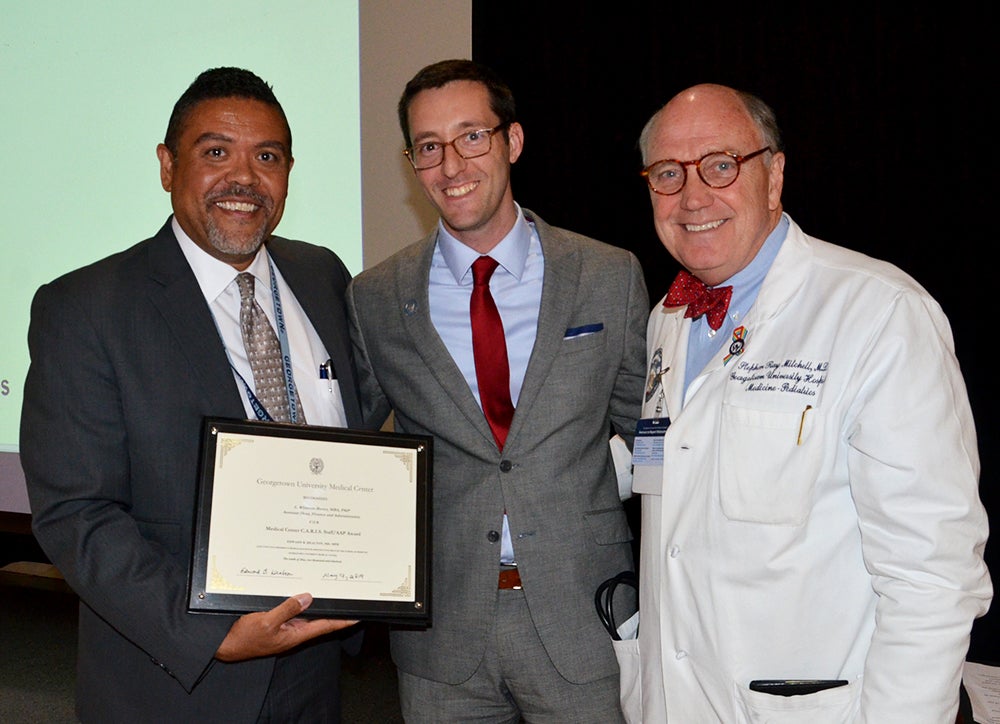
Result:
[[509, 579]]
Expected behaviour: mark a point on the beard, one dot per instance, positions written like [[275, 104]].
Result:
[[245, 243], [246, 240]]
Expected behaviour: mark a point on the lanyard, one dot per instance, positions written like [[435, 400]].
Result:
[[286, 359]]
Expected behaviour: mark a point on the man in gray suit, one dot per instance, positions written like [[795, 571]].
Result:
[[527, 516], [128, 356]]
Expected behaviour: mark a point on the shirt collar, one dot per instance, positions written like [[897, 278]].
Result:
[[747, 282], [214, 275], [511, 253]]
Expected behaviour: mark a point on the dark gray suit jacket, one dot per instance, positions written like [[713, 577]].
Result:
[[125, 363], [555, 477]]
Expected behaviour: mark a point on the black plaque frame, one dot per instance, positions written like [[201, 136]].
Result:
[[413, 609]]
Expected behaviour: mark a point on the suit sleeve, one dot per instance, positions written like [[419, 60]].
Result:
[[626, 397], [77, 450], [375, 405]]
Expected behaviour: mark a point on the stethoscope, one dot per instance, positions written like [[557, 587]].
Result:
[[605, 596]]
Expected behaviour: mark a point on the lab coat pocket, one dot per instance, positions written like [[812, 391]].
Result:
[[768, 464], [831, 706], [627, 653]]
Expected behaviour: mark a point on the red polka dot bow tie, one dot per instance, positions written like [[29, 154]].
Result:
[[710, 301]]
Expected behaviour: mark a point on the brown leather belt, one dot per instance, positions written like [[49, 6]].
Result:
[[509, 579]]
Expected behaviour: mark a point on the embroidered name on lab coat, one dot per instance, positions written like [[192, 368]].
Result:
[[794, 376]]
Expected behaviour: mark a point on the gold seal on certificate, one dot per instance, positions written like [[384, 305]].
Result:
[[286, 509]]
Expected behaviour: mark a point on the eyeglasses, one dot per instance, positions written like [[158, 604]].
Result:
[[717, 169], [471, 144]]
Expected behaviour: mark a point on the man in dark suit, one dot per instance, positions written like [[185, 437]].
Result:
[[527, 516], [128, 356]]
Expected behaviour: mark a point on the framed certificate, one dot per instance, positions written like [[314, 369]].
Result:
[[341, 514]]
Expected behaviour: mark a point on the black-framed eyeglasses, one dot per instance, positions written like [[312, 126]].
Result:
[[470, 144], [717, 169]]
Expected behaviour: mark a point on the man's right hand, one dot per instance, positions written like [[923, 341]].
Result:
[[271, 632]]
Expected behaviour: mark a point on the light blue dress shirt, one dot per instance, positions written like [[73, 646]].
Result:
[[703, 341], [516, 286]]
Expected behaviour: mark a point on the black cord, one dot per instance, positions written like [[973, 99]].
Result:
[[605, 596]]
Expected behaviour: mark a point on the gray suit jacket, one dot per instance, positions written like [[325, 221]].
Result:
[[125, 363], [555, 477]]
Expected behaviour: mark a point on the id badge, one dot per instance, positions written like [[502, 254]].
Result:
[[647, 454], [648, 446]]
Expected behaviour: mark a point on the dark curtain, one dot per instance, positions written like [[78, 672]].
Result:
[[884, 111]]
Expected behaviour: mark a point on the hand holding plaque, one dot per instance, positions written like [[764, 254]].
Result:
[[266, 633]]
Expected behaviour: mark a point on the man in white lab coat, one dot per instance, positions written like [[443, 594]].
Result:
[[807, 456]]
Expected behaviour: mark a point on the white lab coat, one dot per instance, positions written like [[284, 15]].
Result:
[[817, 514]]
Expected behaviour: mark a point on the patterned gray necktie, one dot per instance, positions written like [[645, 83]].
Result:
[[264, 353]]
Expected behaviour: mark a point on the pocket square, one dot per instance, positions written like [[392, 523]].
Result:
[[583, 331]]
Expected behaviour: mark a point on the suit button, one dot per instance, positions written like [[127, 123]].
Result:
[[492, 536], [505, 466]]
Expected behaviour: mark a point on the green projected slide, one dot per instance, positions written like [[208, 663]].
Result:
[[87, 91]]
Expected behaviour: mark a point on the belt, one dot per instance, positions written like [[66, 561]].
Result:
[[509, 579]]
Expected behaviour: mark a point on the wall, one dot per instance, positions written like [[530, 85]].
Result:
[[397, 38]]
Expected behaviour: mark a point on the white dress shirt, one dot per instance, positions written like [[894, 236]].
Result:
[[320, 398]]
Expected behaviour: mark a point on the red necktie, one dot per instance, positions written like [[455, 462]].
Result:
[[710, 301], [489, 348]]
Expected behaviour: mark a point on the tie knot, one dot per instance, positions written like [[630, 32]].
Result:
[[482, 270], [245, 281]]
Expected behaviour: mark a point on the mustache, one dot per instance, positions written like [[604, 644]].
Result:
[[238, 190]]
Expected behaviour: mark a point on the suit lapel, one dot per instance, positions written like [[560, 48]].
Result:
[[412, 276], [174, 291], [325, 310], [560, 286]]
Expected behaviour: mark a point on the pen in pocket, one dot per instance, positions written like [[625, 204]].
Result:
[[802, 423]]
